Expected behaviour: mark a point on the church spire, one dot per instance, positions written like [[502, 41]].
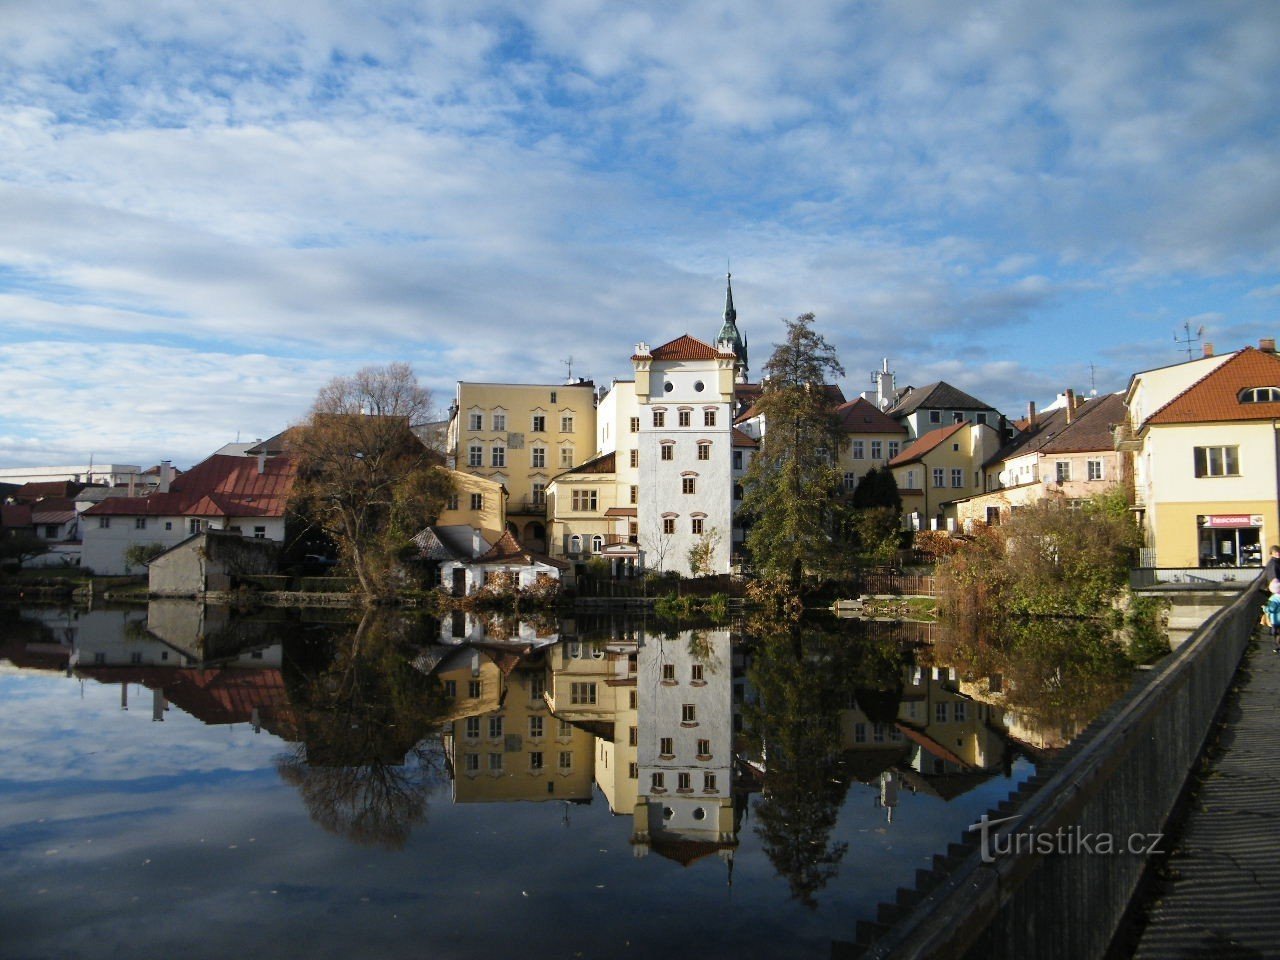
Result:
[[730, 314], [729, 331]]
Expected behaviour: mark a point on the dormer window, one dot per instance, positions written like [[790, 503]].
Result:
[[1260, 395]]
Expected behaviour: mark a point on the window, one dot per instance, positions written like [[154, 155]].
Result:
[[668, 524], [451, 502], [684, 417], [495, 728], [957, 477], [850, 481], [657, 781], [597, 543], [859, 450], [585, 499], [737, 459], [704, 749], [566, 423], [993, 516], [535, 728], [475, 421], [1260, 395], [635, 424], [957, 417], [1217, 461], [566, 760], [666, 747], [566, 457], [695, 526], [473, 728], [1095, 469], [475, 455], [1062, 470], [582, 693], [668, 451], [704, 451], [633, 736], [981, 418], [139, 523], [473, 689], [959, 712], [708, 783], [688, 713], [935, 416], [633, 771], [538, 457], [477, 501], [535, 761], [708, 418], [688, 484], [859, 733], [537, 686], [495, 762], [553, 396], [696, 673], [565, 730], [738, 491], [539, 423], [632, 701], [471, 762], [193, 526], [539, 493], [683, 781], [499, 422], [635, 493], [450, 688], [940, 712], [499, 458], [877, 450], [669, 672], [659, 418], [893, 448], [168, 524], [939, 477]]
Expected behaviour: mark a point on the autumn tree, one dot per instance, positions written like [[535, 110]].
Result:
[[364, 476], [21, 546], [790, 485]]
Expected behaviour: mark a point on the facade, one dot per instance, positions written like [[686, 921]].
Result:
[[872, 439], [937, 405], [1206, 470], [477, 502], [245, 495], [943, 466], [581, 515], [521, 435], [210, 561], [685, 395]]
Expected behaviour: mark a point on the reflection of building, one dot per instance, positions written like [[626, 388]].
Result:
[[684, 759], [502, 741]]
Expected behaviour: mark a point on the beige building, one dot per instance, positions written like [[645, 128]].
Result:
[[941, 467], [872, 439], [521, 435], [1206, 471], [477, 502]]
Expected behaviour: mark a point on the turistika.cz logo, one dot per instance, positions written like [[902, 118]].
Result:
[[1067, 841]]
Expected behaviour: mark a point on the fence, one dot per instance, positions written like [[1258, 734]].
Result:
[[1120, 778], [901, 584], [1151, 576]]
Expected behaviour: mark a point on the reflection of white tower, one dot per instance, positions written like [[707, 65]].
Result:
[[685, 749]]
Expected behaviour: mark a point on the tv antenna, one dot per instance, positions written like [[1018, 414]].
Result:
[[1188, 339], [569, 365], [1093, 380]]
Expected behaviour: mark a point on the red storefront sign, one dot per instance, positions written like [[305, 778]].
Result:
[[1233, 520]]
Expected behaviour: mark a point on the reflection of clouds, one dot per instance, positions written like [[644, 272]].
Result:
[[58, 734]]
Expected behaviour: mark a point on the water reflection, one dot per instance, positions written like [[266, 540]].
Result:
[[772, 755]]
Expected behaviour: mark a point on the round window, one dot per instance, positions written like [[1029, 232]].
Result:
[[699, 814], [668, 386], [698, 385]]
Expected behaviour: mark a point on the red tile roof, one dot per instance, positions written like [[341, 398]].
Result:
[[219, 486], [40, 490], [743, 439], [214, 696], [685, 348], [863, 416], [926, 443], [620, 512], [509, 550], [1215, 397]]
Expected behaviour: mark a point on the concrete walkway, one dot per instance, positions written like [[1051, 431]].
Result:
[[1221, 899]]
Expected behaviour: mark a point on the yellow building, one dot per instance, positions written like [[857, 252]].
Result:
[[942, 466], [521, 435], [872, 439], [582, 515], [1206, 472], [477, 502]]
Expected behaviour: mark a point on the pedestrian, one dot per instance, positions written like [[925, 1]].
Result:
[[1273, 614], [1272, 569]]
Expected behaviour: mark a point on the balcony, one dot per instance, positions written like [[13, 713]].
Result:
[[527, 506], [1126, 440]]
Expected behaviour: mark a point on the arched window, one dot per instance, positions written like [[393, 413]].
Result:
[[575, 544], [1260, 395], [597, 543]]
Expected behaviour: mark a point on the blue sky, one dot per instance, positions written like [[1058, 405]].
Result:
[[208, 209]]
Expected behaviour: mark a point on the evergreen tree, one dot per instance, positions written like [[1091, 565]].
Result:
[[790, 485]]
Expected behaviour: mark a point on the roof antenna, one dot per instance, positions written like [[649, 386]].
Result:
[[1189, 339], [569, 363], [1093, 380]]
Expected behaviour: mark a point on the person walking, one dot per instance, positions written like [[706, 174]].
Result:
[[1271, 571], [1273, 614]]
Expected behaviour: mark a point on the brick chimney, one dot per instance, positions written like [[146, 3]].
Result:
[[1031, 413], [1267, 344], [1208, 349], [166, 476], [1071, 405]]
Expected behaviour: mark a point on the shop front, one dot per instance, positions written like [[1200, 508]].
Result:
[[1230, 540]]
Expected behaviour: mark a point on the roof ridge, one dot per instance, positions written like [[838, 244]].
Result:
[[1246, 351]]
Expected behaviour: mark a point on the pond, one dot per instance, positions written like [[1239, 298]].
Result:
[[182, 780]]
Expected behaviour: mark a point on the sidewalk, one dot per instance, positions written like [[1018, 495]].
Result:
[[1222, 897]]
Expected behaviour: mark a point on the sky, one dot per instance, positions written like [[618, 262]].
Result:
[[209, 209]]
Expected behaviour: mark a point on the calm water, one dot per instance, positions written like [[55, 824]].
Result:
[[178, 781]]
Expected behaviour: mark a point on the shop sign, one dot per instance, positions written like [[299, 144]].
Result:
[[1233, 520]]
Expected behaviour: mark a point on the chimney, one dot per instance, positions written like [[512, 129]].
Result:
[[158, 704], [1071, 404], [262, 461], [166, 476], [1031, 413], [1208, 349], [1267, 344]]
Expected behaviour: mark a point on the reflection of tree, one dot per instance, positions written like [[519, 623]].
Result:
[[803, 676], [364, 770]]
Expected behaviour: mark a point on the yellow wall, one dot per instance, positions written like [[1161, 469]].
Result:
[[975, 444], [860, 468], [564, 521], [491, 518]]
